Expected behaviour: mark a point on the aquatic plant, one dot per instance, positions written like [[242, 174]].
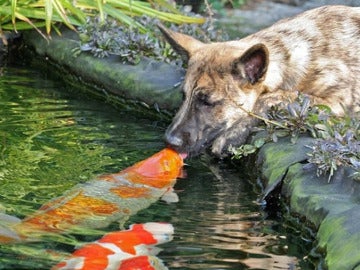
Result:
[[25, 14], [337, 138]]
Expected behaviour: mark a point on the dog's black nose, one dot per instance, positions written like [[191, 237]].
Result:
[[173, 140]]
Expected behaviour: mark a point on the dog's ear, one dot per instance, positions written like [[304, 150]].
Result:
[[181, 43], [252, 65]]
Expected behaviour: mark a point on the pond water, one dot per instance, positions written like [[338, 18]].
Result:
[[50, 140]]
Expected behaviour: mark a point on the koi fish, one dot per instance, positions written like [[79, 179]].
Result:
[[123, 250], [99, 202]]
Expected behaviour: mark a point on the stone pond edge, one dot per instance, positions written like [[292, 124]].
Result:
[[152, 84]]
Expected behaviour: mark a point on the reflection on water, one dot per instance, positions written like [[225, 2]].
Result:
[[219, 226], [50, 141]]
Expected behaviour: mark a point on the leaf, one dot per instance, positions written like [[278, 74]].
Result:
[[259, 142], [167, 5], [25, 19], [73, 13], [48, 15], [13, 11], [136, 8], [324, 108], [78, 15], [119, 15], [101, 10], [62, 13]]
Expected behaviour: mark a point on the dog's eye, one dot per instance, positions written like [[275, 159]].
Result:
[[203, 100]]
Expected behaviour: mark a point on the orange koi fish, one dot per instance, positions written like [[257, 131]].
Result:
[[123, 250], [107, 198]]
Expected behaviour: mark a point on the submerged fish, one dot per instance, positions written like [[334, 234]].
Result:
[[123, 250], [99, 202]]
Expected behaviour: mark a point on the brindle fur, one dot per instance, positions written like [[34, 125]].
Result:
[[316, 53]]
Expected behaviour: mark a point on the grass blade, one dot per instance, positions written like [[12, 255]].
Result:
[[119, 15], [13, 10], [25, 19], [74, 12], [48, 15], [101, 10]]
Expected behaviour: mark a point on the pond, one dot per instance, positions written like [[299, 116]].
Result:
[[51, 140]]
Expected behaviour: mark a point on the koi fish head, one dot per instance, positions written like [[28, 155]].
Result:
[[159, 170]]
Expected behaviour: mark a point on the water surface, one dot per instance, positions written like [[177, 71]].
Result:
[[50, 140]]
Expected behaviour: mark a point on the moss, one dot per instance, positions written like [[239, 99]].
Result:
[[304, 198], [275, 159], [333, 207], [150, 83], [339, 235]]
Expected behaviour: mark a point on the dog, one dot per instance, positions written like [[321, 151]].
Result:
[[316, 53]]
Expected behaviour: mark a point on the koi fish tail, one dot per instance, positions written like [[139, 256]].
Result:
[[7, 233], [122, 249]]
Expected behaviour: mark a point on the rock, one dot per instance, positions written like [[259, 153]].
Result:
[[151, 83], [332, 207], [239, 22]]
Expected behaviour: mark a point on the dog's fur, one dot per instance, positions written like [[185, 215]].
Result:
[[316, 53]]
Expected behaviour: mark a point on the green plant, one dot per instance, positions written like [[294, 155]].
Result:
[[338, 138], [103, 38], [25, 14], [247, 149], [110, 37], [298, 117], [338, 145]]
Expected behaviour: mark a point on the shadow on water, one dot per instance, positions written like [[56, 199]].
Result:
[[51, 140]]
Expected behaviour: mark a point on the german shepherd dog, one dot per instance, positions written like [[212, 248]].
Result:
[[316, 53]]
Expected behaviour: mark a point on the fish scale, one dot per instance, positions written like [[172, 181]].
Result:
[[106, 199]]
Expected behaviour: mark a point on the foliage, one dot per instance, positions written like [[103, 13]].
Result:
[[247, 149], [341, 150], [110, 37], [299, 117], [25, 14], [338, 138]]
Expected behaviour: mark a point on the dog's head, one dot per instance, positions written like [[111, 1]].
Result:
[[222, 82]]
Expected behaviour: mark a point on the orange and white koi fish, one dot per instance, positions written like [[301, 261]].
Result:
[[107, 198], [123, 250]]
